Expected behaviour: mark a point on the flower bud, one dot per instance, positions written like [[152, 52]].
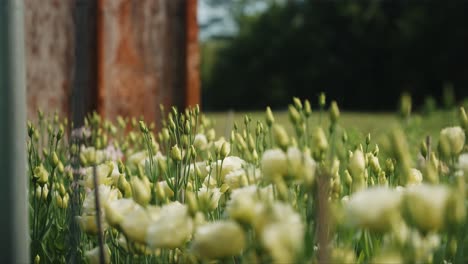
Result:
[[307, 108], [357, 164], [270, 119], [368, 139], [176, 155], [405, 105], [37, 259], [225, 150], [322, 100], [319, 139], [41, 174], [93, 255], [334, 112], [281, 136], [297, 103], [211, 135], [294, 115], [45, 192], [141, 192], [463, 118]]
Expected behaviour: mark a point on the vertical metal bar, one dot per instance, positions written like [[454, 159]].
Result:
[[14, 242], [84, 95]]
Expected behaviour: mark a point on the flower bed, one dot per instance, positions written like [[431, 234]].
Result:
[[124, 193]]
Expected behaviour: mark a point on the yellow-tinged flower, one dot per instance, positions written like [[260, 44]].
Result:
[[41, 174], [454, 138], [415, 177], [88, 224], [274, 164], [118, 209], [218, 239], [172, 228], [425, 206], [103, 173], [375, 208], [141, 192], [208, 198], [200, 142], [135, 225], [281, 231]]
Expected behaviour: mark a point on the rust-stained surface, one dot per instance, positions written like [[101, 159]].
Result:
[[147, 54], [192, 56], [128, 51], [49, 55]]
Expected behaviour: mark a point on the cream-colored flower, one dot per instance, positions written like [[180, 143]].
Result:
[[118, 209], [426, 204], [200, 142], [141, 192], [208, 198], [218, 239], [281, 231], [135, 225], [357, 164], [454, 137], [172, 229], [274, 164], [415, 177], [106, 195], [301, 166], [375, 208], [236, 179], [225, 166], [103, 173]]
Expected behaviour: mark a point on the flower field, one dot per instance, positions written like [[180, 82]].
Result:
[[273, 189]]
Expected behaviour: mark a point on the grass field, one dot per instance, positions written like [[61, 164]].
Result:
[[362, 123]]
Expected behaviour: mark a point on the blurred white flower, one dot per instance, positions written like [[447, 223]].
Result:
[[172, 228], [218, 239], [200, 142], [274, 164], [208, 198], [454, 137], [375, 208], [415, 177], [426, 204], [281, 231]]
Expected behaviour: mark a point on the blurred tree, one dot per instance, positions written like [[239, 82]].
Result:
[[364, 53]]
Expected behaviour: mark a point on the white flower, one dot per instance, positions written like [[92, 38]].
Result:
[[103, 173], [137, 157], [118, 209], [454, 137], [135, 225], [463, 164], [357, 164], [218, 239], [200, 142], [426, 205], [281, 231], [229, 164], [236, 179], [374, 208], [301, 166], [415, 177], [274, 164], [106, 195], [208, 198], [172, 229]]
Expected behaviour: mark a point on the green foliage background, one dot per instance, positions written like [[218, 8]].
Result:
[[363, 53]]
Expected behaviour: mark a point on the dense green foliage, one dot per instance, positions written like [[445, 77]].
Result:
[[362, 53]]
